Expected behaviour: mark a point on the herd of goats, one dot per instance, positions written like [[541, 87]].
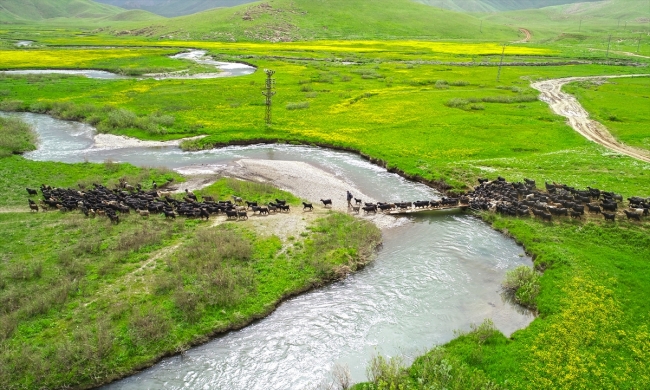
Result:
[[522, 199], [513, 199]]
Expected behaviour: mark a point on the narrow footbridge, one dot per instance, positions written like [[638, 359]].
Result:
[[422, 210]]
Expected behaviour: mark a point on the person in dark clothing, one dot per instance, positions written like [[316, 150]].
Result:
[[349, 199]]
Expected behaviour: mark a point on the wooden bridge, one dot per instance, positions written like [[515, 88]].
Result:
[[422, 210]]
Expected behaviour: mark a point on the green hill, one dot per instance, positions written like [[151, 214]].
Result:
[[617, 17], [494, 5], [37, 10], [291, 20], [132, 15], [172, 8]]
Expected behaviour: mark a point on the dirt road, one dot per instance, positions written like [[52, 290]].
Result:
[[527, 38], [566, 105], [623, 53]]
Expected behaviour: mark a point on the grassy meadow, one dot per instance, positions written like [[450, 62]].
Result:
[[407, 104], [420, 117]]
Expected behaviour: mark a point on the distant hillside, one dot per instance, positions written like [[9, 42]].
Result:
[[494, 5], [291, 20], [12, 11], [132, 15], [603, 17], [171, 8]]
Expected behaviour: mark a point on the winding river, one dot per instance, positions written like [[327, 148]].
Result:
[[435, 274], [225, 69]]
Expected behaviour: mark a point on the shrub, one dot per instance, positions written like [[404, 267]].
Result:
[[12, 105], [477, 107], [311, 95], [442, 84], [457, 103], [40, 107], [386, 372], [148, 325], [522, 283], [297, 106], [16, 136], [459, 83], [307, 88], [121, 118]]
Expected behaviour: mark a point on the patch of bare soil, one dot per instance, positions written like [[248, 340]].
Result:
[[578, 118], [528, 36]]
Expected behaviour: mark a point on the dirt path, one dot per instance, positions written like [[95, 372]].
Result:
[[568, 106], [528, 36], [623, 53]]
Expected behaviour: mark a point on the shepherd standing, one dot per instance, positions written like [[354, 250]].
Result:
[[349, 199]]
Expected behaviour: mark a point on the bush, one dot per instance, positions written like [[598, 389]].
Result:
[[12, 105], [522, 283], [386, 372], [121, 118], [442, 84], [459, 83], [148, 325], [16, 137], [297, 106], [457, 103]]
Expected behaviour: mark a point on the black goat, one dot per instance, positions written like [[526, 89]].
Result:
[[327, 202], [632, 215], [307, 206]]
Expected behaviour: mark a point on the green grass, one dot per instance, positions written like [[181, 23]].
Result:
[[613, 104], [563, 23], [15, 137], [262, 193], [292, 20], [405, 106], [83, 301], [126, 61], [592, 328], [31, 10], [16, 173]]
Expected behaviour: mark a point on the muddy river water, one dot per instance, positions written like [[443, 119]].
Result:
[[433, 275]]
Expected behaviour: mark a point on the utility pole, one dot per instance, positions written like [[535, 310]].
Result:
[[501, 62], [608, 42], [269, 92]]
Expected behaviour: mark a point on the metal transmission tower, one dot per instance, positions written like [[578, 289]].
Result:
[[269, 92]]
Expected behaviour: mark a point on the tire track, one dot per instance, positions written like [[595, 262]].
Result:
[[578, 118]]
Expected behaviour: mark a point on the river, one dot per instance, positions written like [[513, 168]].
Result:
[[434, 274]]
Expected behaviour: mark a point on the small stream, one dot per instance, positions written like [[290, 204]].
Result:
[[225, 69], [434, 274]]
